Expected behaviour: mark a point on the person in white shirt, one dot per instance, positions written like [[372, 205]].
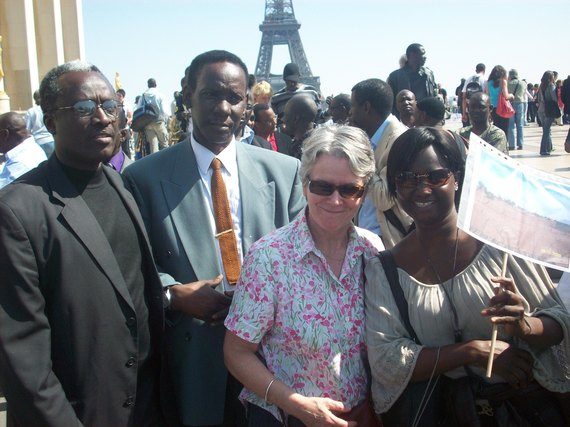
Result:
[[19, 147], [35, 124]]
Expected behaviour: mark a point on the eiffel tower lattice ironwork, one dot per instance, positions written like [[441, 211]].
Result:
[[281, 28]]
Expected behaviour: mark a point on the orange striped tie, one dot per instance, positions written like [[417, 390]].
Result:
[[224, 226]]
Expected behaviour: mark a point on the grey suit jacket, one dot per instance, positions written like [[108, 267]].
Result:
[[168, 189], [68, 328]]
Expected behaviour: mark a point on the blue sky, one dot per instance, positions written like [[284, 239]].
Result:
[[345, 42]]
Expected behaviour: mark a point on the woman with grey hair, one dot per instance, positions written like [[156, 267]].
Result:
[[295, 334]]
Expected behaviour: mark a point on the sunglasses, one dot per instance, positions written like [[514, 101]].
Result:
[[346, 191], [435, 178], [88, 107]]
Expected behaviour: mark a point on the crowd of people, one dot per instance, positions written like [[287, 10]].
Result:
[[281, 260]]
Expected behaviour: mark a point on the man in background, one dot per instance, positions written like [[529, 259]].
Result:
[[155, 132], [20, 151], [36, 126]]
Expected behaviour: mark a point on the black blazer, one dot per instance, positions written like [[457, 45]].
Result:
[[68, 329]]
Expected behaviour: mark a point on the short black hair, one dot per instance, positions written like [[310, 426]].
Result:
[[151, 83], [413, 48], [259, 107], [121, 91], [408, 145], [480, 67], [212, 57], [344, 100], [377, 92]]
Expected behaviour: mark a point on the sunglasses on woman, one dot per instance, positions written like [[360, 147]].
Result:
[[432, 179], [346, 191], [88, 107]]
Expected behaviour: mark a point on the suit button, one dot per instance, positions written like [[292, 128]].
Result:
[[168, 254], [130, 362], [131, 321], [129, 402]]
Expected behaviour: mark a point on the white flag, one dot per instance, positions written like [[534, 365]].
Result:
[[515, 208]]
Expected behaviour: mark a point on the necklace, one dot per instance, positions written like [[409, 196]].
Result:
[[457, 333]]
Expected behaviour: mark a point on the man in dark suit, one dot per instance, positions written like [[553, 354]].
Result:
[[172, 188], [81, 305]]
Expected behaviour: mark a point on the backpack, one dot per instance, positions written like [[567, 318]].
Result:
[[472, 87]]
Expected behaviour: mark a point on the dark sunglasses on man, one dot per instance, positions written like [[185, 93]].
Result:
[[88, 107]]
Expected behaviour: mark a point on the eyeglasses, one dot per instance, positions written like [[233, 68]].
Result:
[[347, 191], [88, 107], [435, 178]]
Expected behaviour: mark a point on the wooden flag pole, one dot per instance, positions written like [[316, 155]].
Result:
[[494, 333]]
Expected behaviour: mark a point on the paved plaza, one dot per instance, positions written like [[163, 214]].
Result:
[[557, 163]]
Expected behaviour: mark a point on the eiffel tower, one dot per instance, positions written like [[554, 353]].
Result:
[[280, 27]]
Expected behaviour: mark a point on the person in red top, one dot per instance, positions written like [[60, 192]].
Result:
[[265, 125]]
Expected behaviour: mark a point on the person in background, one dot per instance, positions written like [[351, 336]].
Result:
[[414, 76], [339, 108], [430, 112], [546, 91], [286, 349], [20, 151], [265, 126], [479, 116], [299, 121], [35, 124], [262, 93], [451, 284], [155, 132], [517, 88], [496, 84], [531, 101], [406, 106], [127, 140]]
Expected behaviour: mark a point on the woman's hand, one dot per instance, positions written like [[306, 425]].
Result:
[[510, 363], [320, 411], [507, 308]]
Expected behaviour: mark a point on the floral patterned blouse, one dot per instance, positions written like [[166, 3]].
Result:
[[308, 322]]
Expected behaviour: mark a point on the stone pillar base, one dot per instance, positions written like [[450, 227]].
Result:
[[4, 102]]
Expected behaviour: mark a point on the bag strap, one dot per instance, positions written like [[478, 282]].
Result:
[[395, 221], [391, 270]]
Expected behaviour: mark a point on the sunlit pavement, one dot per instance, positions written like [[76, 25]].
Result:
[[557, 163]]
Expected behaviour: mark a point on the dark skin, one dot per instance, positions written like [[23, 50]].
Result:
[[479, 112], [434, 238], [218, 102]]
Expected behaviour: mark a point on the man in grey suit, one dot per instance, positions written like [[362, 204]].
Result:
[[81, 303], [172, 189]]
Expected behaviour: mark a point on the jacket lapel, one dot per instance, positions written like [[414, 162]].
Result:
[[190, 216], [257, 199], [85, 226]]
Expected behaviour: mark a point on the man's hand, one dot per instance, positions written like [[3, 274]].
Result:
[[200, 300]]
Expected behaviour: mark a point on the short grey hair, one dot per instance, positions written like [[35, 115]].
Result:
[[49, 88], [340, 141]]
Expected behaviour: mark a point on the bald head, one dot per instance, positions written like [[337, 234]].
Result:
[[12, 131], [300, 115]]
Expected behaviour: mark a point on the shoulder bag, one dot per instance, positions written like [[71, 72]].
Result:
[[504, 107]]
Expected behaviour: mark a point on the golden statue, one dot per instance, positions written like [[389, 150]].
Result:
[[118, 84], [1, 70]]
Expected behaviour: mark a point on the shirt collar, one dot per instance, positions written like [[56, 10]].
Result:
[[303, 240], [204, 157], [21, 147], [378, 134]]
